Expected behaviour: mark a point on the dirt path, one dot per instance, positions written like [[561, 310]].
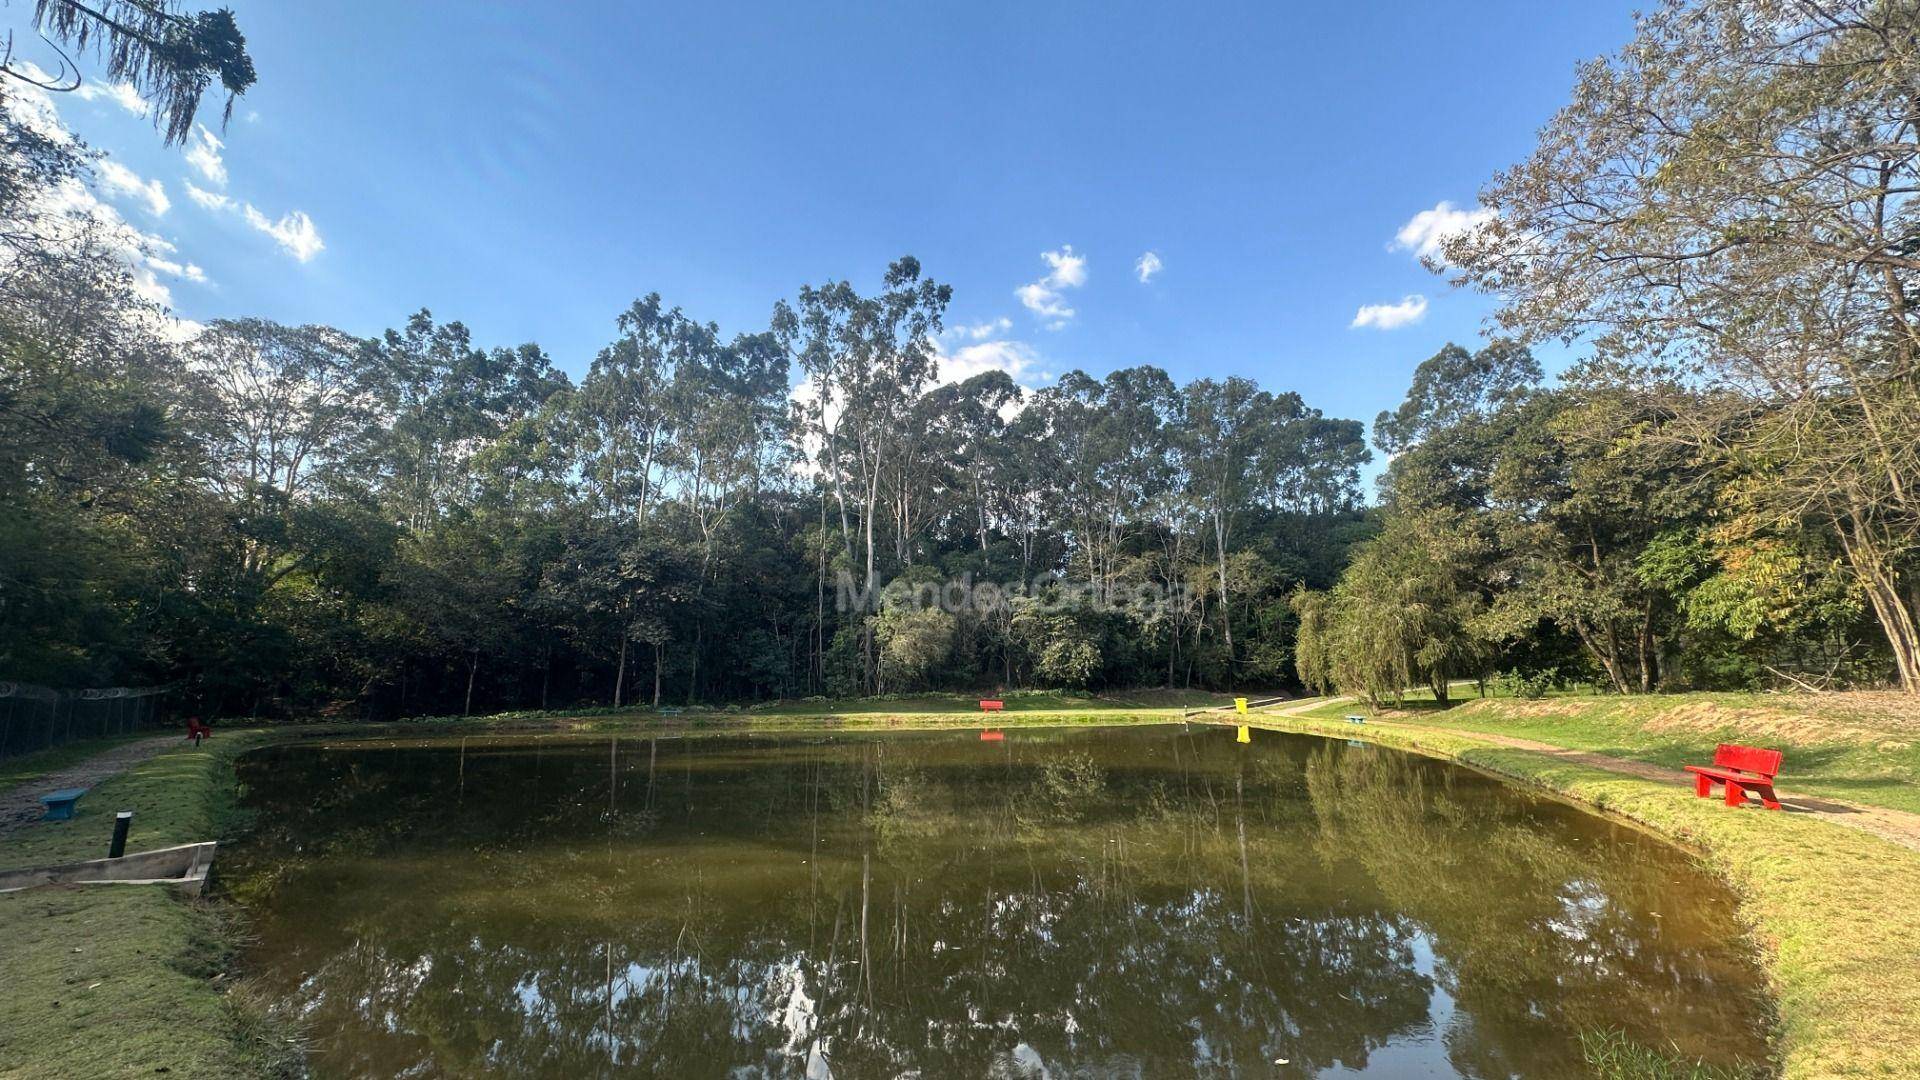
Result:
[[1899, 826], [20, 805]]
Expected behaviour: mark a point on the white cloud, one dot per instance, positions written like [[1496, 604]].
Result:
[[1146, 266], [189, 271], [33, 108], [1410, 309], [1044, 297], [981, 331], [70, 209], [1426, 231], [1016, 358], [294, 231], [121, 94], [119, 178], [212, 200], [203, 153], [1069, 270], [149, 258]]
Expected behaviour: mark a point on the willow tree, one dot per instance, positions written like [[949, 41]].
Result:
[[1732, 197]]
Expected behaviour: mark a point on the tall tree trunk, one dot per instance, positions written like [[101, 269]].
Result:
[[473, 668], [620, 679], [546, 676], [1649, 671], [693, 668], [659, 657], [1226, 618], [1608, 660], [1891, 609]]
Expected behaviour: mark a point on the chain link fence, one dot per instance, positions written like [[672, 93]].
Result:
[[36, 717]]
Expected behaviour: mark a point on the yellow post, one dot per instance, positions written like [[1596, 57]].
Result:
[[1246, 734], [1240, 705]]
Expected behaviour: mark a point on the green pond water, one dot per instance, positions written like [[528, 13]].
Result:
[[1137, 902]]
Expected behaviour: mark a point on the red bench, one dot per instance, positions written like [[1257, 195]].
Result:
[[1742, 769], [992, 706]]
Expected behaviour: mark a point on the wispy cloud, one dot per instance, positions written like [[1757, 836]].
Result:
[[1410, 309], [121, 94], [122, 180], [293, 231], [212, 200], [203, 153], [1426, 232], [1146, 266], [1045, 298], [189, 271], [72, 209], [981, 331]]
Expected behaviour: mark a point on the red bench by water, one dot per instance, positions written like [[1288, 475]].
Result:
[[1742, 769]]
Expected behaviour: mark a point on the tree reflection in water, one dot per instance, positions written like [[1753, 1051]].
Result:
[[1135, 902]]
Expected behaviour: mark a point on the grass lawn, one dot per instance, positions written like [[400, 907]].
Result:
[[1858, 747], [121, 980], [1019, 701], [177, 797]]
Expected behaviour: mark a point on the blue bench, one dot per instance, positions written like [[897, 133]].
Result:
[[60, 803], [1356, 719]]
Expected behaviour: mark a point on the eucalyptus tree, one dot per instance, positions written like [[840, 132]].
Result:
[[627, 405], [1226, 422], [1733, 196], [866, 360], [968, 428], [727, 417], [1104, 453], [437, 401]]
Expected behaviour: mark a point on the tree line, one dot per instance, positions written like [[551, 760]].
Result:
[[292, 517]]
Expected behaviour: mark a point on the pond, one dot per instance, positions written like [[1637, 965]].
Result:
[[1142, 901]]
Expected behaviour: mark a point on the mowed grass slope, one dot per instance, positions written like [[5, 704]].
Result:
[[128, 980], [1861, 747]]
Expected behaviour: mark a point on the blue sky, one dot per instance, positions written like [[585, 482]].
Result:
[[530, 172]]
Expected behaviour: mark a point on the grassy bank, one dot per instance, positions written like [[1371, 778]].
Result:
[[129, 980], [1859, 747], [1836, 912], [890, 710]]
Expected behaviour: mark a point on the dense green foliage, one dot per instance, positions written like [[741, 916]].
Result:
[[1726, 491]]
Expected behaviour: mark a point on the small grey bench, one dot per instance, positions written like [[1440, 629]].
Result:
[[60, 803]]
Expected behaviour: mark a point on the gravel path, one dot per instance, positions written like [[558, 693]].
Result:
[[20, 806], [1899, 826]]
